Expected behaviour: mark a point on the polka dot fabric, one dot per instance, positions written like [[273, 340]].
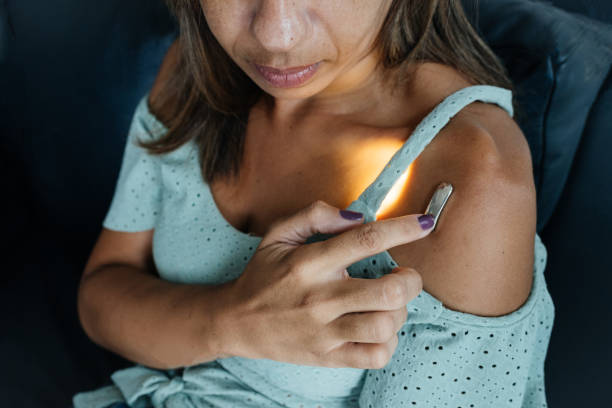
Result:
[[444, 358], [137, 200], [463, 360]]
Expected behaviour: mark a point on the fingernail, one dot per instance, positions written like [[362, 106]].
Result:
[[426, 221], [351, 215]]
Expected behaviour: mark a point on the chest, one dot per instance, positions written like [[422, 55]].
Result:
[[282, 174], [202, 235], [198, 240], [207, 233]]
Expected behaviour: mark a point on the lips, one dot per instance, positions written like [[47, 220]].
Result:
[[289, 77]]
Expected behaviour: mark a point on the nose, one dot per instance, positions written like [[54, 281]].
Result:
[[279, 24]]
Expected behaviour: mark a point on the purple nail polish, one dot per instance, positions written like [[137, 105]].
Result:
[[351, 215], [426, 221]]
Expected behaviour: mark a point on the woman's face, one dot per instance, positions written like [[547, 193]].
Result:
[[328, 40]]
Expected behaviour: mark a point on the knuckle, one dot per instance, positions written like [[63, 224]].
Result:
[[394, 292], [369, 237], [415, 281], [383, 329], [314, 306], [309, 213], [296, 264], [310, 300], [375, 333], [320, 204], [316, 210], [379, 357], [297, 274], [317, 204]]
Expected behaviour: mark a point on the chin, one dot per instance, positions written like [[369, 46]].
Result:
[[294, 93]]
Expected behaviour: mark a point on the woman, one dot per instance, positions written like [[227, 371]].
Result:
[[266, 118]]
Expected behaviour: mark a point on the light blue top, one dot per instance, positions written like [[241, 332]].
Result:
[[444, 357]]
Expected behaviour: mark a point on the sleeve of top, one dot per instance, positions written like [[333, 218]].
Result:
[[448, 358], [138, 193]]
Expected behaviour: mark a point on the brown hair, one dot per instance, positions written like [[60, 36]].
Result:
[[208, 97]]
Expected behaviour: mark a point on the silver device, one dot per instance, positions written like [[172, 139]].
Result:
[[438, 201]]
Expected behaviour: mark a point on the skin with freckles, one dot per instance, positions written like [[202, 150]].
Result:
[[284, 34], [330, 137], [318, 139]]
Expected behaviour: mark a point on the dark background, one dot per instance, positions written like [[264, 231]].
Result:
[[71, 73]]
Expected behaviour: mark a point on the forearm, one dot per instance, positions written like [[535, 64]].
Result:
[[150, 321]]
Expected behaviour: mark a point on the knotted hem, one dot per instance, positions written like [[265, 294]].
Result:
[[130, 384]]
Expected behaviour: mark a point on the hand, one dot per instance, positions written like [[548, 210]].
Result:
[[296, 302]]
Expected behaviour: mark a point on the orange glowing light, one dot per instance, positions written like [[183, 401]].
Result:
[[394, 193]]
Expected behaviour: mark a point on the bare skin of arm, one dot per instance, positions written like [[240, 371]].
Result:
[[125, 308]]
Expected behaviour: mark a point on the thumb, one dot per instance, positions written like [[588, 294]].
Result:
[[317, 218], [413, 279]]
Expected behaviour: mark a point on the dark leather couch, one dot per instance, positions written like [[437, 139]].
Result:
[[71, 73]]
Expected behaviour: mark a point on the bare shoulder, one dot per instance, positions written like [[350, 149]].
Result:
[[479, 260], [159, 91]]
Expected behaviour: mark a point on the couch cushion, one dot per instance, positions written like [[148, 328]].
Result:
[[578, 240], [558, 62]]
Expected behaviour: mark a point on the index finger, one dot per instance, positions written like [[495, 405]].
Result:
[[369, 239]]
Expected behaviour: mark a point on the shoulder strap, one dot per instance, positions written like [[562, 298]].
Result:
[[428, 128]]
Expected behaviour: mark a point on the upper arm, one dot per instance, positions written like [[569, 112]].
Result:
[[118, 247], [479, 259]]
